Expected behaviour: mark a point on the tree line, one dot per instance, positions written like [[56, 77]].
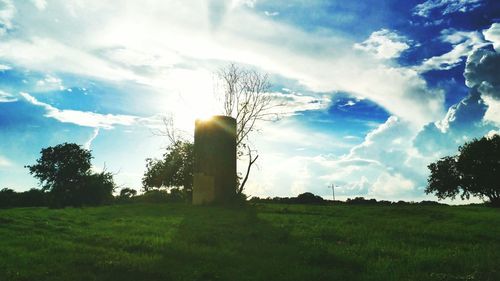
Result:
[[66, 178]]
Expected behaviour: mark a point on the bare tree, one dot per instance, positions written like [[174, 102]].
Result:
[[244, 96], [169, 130]]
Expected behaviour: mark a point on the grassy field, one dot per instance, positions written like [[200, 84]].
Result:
[[262, 242]]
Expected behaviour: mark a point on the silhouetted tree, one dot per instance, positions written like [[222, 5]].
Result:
[[474, 171], [7, 198], [127, 193], [31, 198], [244, 96], [97, 189], [64, 171], [174, 170], [309, 198]]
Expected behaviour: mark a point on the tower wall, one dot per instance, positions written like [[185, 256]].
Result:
[[214, 160]]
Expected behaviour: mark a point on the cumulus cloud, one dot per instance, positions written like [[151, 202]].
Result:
[[475, 115], [82, 118], [492, 34], [445, 7], [481, 74], [463, 122], [6, 97], [385, 165], [392, 185], [384, 44], [481, 71], [464, 114]]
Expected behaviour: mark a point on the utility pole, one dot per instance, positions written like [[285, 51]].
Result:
[[332, 186]]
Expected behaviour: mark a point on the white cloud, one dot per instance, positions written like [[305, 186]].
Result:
[[391, 162], [6, 97], [83, 118], [464, 43], [384, 44], [7, 13], [492, 34], [385, 165], [45, 54], [468, 111], [50, 83], [445, 7], [248, 3], [271, 14], [129, 43], [392, 186], [293, 102], [94, 135], [481, 73], [492, 114], [40, 4], [4, 67]]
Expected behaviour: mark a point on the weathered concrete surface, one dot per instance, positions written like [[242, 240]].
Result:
[[203, 189], [214, 177]]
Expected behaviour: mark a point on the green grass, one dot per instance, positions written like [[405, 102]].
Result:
[[263, 242]]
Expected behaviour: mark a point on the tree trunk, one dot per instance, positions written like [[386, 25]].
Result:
[[250, 163]]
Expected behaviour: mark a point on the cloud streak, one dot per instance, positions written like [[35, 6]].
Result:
[[82, 118], [6, 97]]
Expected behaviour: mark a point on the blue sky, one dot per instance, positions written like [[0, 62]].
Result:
[[375, 90]]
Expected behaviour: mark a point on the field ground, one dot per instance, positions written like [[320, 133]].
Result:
[[262, 242]]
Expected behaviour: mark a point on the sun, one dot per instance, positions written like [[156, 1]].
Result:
[[203, 110], [206, 117]]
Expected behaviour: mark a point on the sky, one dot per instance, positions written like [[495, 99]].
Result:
[[375, 90]]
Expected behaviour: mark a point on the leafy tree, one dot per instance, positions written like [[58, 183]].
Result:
[[174, 170], [7, 198], [31, 198], [64, 171], [127, 193], [309, 198], [97, 189], [474, 171]]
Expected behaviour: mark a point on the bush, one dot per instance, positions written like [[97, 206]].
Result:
[[31, 198], [174, 195], [361, 201], [309, 198]]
